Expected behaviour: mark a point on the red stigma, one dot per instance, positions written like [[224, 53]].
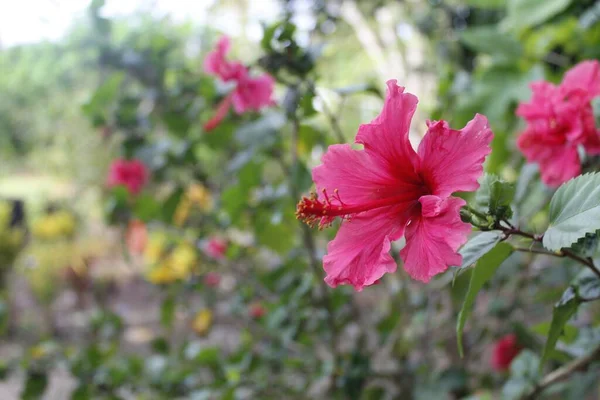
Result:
[[313, 211]]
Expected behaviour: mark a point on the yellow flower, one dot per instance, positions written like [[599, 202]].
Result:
[[182, 212], [183, 257], [162, 275], [55, 225], [155, 248], [37, 352], [196, 195], [200, 195], [66, 222], [202, 322]]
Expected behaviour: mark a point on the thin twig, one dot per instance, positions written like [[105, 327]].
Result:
[[333, 120], [588, 262], [564, 372], [539, 251]]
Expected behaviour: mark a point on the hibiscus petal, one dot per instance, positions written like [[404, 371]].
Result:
[[433, 239], [359, 254], [451, 160], [544, 96], [386, 137], [220, 113], [563, 165], [558, 160], [215, 60], [357, 176], [584, 76], [253, 93]]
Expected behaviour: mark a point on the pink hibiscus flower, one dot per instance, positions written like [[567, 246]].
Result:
[[216, 248], [504, 352], [212, 279], [132, 174], [388, 190], [559, 119], [250, 93], [257, 310], [217, 64]]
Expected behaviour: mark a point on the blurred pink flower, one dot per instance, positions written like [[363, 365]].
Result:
[[388, 190], [216, 63], [559, 119], [256, 310], [253, 94], [212, 279], [132, 174], [505, 350], [216, 248], [136, 236], [250, 93]]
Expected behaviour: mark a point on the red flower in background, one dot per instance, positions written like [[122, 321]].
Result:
[[559, 120], [136, 236], [256, 310], [505, 350], [212, 279], [250, 93], [132, 174], [389, 190], [217, 64], [216, 248]]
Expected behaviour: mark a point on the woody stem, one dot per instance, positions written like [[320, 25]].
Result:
[[564, 372], [588, 262]]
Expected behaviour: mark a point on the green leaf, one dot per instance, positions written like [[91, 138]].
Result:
[[478, 246], [261, 133], [574, 211], [486, 4], [587, 245], [167, 311], [569, 332], [527, 174], [526, 365], [526, 13], [170, 205], [146, 208], [494, 197], [82, 392], [484, 270], [35, 385], [489, 39], [275, 229], [359, 88], [104, 95], [562, 313]]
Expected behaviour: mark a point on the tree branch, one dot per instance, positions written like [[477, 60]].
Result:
[[564, 372]]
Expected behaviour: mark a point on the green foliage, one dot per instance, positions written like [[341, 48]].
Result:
[[478, 246], [494, 197], [483, 271], [35, 385], [563, 311], [485, 39], [574, 212], [522, 14], [524, 372], [585, 288], [270, 327]]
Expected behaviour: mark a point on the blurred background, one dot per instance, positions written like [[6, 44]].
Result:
[[203, 285]]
